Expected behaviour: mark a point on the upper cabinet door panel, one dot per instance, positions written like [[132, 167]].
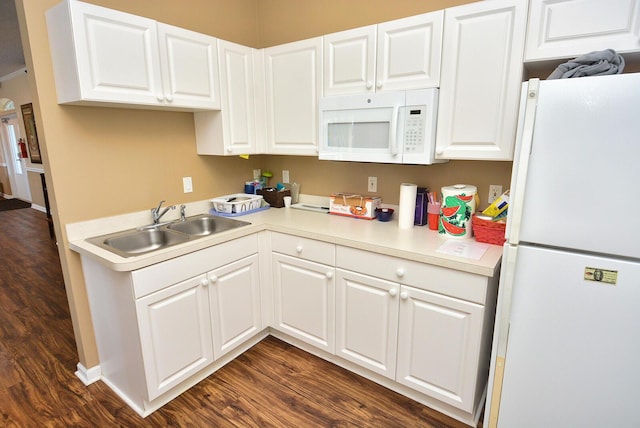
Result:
[[570, 28], [349, 61], [116, 54], [190, 62], [409, 52], [480, 80], [293, 83]]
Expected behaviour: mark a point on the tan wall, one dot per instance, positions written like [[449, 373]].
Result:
[[102, 161]]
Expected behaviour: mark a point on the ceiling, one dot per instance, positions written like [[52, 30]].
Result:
[[11, 54]]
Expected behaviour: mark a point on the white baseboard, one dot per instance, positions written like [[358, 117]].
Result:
[[88, 376], [39, 208]]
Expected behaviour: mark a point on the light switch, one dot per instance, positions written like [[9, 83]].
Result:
[[187, 184]]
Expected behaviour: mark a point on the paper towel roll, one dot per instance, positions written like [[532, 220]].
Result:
[[407, 205], [458, 206]]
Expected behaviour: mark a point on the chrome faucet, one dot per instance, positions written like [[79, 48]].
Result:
[[183, 212], [157, 214]]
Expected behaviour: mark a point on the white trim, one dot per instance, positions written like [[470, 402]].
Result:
[[38, 207], [34, 169], [88, 376], [13, 75]]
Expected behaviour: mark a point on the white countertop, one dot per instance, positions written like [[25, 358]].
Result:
[[418, 243]]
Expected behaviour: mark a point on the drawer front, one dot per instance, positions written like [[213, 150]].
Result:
[[304, 248], [463, 285], [155, 277]]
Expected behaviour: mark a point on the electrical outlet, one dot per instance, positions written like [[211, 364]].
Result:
[[285, 176], [372, 184], [187, 184], [495, 190]]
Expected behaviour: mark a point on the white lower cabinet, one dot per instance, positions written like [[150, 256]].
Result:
[[304, 289], [367, 321], [162, 328], [234, 296], [175, 334], [439, 346], [424, 326]]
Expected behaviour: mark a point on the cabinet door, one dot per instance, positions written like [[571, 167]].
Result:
[[175, 334], [304, 300], [117, 56], [235, 304], [438, 346], [189, 62], [570, 28], [367, 321], [480, 80], [409, 52], [232, 130], [293, 83], [349, 61]]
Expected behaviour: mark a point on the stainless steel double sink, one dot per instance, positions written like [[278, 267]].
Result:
[[143, 240]]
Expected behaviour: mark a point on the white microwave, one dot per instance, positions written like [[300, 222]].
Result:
[[385, 127]]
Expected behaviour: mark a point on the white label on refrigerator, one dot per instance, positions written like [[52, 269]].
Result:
[[601, 275]]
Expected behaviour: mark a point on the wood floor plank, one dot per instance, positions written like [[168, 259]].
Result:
[[271, 385]]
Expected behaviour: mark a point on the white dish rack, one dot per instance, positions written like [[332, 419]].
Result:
[[237, 203]]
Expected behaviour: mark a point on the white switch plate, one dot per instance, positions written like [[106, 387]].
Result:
[[372, 184], [187, 184], [285, 175]]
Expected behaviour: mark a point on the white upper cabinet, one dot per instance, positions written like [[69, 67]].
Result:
[[106, 57], [293, 86], [570, 28], [400, 54], [189, 64], [480, 80], [232, 130]]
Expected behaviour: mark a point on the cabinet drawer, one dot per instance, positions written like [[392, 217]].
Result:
[[463, 285], [155, 277], [304, 248]]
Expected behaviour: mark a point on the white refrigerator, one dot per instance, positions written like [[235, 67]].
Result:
[[566, 349]]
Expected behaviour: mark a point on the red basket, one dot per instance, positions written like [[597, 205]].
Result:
[[491, 232]]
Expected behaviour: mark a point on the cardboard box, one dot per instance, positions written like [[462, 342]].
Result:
[[353, 205]]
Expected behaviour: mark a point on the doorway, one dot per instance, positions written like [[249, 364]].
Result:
[[16, 163]]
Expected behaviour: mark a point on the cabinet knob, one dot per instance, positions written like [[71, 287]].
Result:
[[299, 249], [329, 275], [369, 84], [204, 282], [169, 98], [404, 295], [379, 84], [229, 149], [439, 152], [160, 97], [393, 292], [400, 272], [213, 278]]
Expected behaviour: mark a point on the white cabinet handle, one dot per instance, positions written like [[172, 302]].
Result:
[[160, 97], [329, 275], [213, 278], [229, 149], [379, 84], [393, 292], [404, 295], [369, 84], [169, 98], [204, 282], [400, 272], [439, 152], [299, 249]]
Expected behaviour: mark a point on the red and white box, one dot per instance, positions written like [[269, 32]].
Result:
[[353, 205]]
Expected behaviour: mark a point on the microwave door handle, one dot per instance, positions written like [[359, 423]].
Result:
[[394, 131]]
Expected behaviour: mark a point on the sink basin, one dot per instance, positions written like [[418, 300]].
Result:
[[136, 242], [204, 225], [140, 241]]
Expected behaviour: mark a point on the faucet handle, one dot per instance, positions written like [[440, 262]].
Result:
[[183, 212]]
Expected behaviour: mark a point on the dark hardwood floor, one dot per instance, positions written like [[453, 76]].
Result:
[[271, 385]]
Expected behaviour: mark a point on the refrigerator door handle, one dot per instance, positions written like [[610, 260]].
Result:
[[520, 174]]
